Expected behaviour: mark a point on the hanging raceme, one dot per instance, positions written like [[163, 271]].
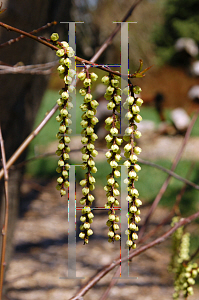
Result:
[[132, 103], [89, 120], [185, 271], [113, 155], [64, 102]]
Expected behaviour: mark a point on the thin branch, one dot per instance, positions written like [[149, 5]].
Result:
[[10, 42], [41, 69], [166, 183], [93, 281], [5, 226], [171, 173]]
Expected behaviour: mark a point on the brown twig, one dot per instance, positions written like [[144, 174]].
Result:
[[43, 69], [91, 282], [165, 184], [83, 61], [5, 226], [10, 42]]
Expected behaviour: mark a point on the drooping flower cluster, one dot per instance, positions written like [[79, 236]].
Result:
[[64, 102], [131, 151], [89, 120], [185, 271], [113, 155]]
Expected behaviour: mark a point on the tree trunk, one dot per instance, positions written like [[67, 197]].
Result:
[[20, 95]]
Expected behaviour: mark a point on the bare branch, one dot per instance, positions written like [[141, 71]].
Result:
[[5, 226], [10, 42]]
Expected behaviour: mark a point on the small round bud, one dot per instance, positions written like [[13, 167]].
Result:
[[82, 235], [62, 192], [137, 150], [105, 80], [137, 89], [60, 52], [138, 118], [93, 76], [87, 82], [111, 217], [54, 37], [117, 237], [139, 101], [82, 92]]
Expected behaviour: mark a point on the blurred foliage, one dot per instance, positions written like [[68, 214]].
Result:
[[181, 19]]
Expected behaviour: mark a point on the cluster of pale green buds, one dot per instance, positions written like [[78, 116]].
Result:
[[185, 271], [113, 155], [89, 120], [64, 102], [130, 152], [186, 280]]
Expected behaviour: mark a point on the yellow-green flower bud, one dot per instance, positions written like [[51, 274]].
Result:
[[88, 97], [133, 158], [91, 197], [63, 112], [105, 80], [130, 100], [129, 243], [137, 134], [113, 164], [128, 131], [135, 109], [89, 130], [139, 101], [114, 148], [84, 140], [61, 69], [94, 153], [66, 184], [93, 76], [65, 95], [60, 163], [91, 163], [132, 174], [65, 44], [110, 105], [89, 232], [54, 37], [127, 147], [134, 192], [111, 217], [67, 139], [82, 92], [82, 235], [134, 236], [65, 156], [109, 90], [117, 99], [62, 192], [83, 182], [117, 237], [117, 173], [114, 131], [87, 82], [137, 219], [138, 202], [111, 234], [133, 209], [137, 168], [85, 191], [60, 52], [137, 89], [137, 150], [70, 52], [138, 118]]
